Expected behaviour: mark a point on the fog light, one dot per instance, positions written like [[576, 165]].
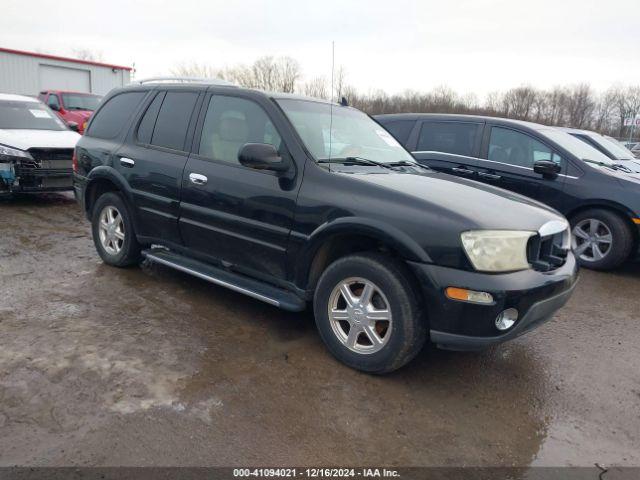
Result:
[[471, 296], [506, 319]]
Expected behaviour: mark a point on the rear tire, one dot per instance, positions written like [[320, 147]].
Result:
[[382, 326], [602, 240], [113, 232]]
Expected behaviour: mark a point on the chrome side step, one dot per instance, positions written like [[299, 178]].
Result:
[[225, 278]]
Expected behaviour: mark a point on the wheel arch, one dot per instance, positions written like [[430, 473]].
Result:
[[105, 179], [613, 207], [342, 237]]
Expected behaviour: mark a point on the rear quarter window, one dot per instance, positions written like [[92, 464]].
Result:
[[112, 117]]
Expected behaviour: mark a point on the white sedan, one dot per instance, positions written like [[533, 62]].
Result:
[[36, 147]]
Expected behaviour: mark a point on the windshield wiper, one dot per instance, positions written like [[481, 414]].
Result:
[[353, 160], [612, 166], [367, 161]]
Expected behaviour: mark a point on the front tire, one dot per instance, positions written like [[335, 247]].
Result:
[[368, 313], [113, 233], [602, 240]]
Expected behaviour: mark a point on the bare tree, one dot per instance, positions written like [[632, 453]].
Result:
[[316, 87], [194, 69], [580, 106], [289, 73], [576, 106], [604, 111]]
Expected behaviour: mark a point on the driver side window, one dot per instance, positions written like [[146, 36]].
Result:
[[517, 148], [53, 101], [232, 122]]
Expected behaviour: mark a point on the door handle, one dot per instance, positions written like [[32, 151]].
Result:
[[463, 171], [198, 179], [127, 162], [490, 176]]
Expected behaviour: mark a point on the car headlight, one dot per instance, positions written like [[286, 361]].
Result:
[[9, 153], [497, 250]]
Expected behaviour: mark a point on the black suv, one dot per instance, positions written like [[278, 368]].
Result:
[[293, 200], [600, 196]]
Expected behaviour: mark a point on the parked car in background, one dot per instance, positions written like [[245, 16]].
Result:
[[75, 108], [636, 151], [248, 190], [600, 196], [607, 145], [629, 145], [36, 147]]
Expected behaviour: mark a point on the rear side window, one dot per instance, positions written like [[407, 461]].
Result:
[[110, 119], [448, 137], [148, 122], [173, 120], [400, 129]]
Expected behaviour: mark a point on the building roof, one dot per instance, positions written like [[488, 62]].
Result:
[[63, 59], [17, 98]]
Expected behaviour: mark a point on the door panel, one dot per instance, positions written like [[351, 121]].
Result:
[[153, 160], [236, 214], [507, 162], [155, 178]]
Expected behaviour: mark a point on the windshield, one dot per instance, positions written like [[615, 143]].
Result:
[[78, 101], [576, 146], [615, 147], [350, 133], [28, 116]]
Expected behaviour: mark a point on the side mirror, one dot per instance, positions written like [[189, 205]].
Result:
[[55, 108], [262, 156], [74, 126], [547, 168]]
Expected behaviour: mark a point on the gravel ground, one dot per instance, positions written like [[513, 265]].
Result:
[[146, 366]]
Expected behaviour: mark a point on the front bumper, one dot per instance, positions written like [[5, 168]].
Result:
[[459, 325]]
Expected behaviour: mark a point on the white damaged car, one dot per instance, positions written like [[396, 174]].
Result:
[[36, 147]]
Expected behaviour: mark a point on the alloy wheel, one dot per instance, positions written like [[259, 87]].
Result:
[[592, 240], [360, 315], [111, 230]]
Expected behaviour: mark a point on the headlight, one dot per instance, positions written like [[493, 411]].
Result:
[[497, 250], [9, 153]]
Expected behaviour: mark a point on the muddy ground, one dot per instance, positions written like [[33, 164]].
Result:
[[148, 366]]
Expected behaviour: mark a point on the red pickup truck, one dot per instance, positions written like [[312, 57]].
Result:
[[75, 108]]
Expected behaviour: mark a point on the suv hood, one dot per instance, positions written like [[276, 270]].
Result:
[[470, 204], [26, 139]]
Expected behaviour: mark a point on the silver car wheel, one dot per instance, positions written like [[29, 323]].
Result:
[[111, 230], [592, 240], [360, 315]]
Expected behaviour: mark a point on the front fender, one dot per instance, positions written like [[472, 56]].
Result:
[[391, 236]]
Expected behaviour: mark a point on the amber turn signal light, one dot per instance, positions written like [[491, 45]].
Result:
[[464, 295]]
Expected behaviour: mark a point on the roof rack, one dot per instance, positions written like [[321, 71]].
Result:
[[206, 81]]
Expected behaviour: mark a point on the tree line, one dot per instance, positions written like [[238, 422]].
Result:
[[578, 106]]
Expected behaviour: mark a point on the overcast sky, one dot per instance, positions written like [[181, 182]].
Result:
[[474, 46]]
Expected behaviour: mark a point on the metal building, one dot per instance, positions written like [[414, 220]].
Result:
[[27, 73]]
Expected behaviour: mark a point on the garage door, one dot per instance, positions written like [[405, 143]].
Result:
[[64, 78]]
